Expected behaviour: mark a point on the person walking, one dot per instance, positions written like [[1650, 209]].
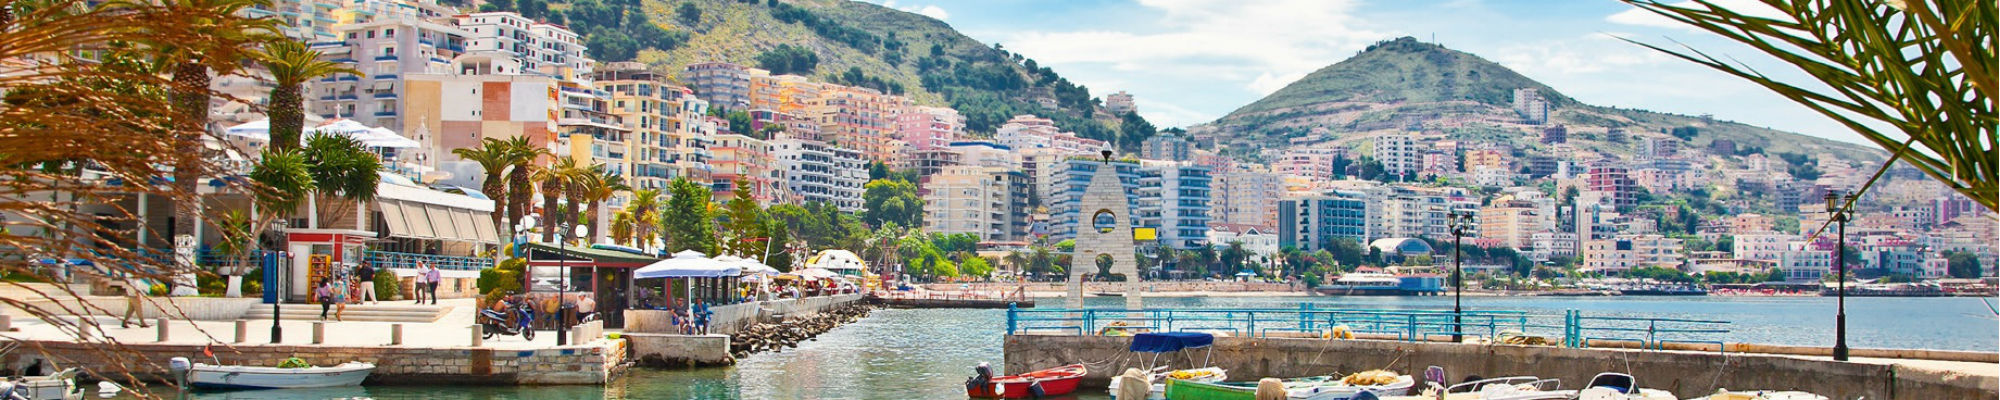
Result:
[[366, 291], [340, 290], [423, 272], [431, 279], [324, 293], [134, 309]]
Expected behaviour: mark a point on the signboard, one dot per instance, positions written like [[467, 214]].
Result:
[[1145, 234]]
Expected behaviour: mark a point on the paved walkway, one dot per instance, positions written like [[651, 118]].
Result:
[[453, 330]]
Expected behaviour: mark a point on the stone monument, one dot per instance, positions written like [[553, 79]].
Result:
[[1105, 228]]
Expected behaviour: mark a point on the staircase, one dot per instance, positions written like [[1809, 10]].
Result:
[[357, 312]]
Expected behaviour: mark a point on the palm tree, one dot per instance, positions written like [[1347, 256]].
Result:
[[225, 40], [645, 209], [283, 180], [343, 169], [601, 186], [493, 158], [520, 187], [1017, 260], [621, 227], [555, 181], [291, 65], [576, 191]]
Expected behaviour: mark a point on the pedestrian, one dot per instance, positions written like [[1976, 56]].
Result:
[[134, 309], [324, 293], [418, 290], [431, 279], [340, 290], [366, 274]]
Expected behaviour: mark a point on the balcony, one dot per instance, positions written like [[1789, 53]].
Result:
[[385, 113], [385, 94], [385, 57]]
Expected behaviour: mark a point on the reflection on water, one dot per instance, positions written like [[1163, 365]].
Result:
[[926, 354]]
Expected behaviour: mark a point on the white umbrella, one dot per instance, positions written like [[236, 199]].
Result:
[[749, 266], [259, 129], [687, 264]]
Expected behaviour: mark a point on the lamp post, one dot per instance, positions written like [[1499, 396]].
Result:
[[277, 272], [1835, 208], [562, 282], [1461, 223]]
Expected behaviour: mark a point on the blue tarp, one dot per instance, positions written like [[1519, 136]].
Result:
[[1162, 342]]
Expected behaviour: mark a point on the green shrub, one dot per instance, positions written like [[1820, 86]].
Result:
[[387, 287], [502, 278], [158, 289]]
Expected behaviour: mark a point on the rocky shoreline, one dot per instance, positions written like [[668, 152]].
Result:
[[788, 333]]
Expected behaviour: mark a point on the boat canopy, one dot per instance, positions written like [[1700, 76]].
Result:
[[1162, 342]]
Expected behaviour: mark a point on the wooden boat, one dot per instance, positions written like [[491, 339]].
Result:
[[1307, 388], [1159, 379], [1725, 394], [1168, 342], [1049, 382], [248, 377]]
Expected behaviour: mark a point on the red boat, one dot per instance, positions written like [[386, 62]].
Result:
[[1051, 382]]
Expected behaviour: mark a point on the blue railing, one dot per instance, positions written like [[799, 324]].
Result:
[[392, 259], [1574, 328]]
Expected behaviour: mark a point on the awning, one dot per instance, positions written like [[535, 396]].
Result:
[[392, 217], [485, 228], [420, 221], [441, 222], [1161, 342], [462, 219], [687, 264]]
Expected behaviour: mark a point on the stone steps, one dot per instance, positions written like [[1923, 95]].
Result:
[[358, 312]]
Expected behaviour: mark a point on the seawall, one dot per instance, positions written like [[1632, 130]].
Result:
[[593, 363], [1685, 373]]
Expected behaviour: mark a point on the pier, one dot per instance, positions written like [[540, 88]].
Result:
[[996, 299], [1681, 356]]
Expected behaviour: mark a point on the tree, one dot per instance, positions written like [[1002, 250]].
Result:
[[341, 168], [685, 223], [1232, 257], [688, 13], [520, 183], [1963, 265], [554, 183], [781, 239], [493, 157], [976, 267], [621, 227], [739, 122], [1134, 130], [788, 59], [291, 65], [645, 216], [598, 188], [1924, 69], [744, 221], [892, 201]]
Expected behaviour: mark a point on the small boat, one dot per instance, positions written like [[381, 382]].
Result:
[[1725, 394], [1171, 342], [1159, 389], [1306, 388], [1618, 386], [1508, 388], [61, 386], [1049, 382], [248, 377], [1108, 294]]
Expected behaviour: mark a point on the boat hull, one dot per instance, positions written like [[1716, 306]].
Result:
[[1054, 382], [1190, 390], [242, 377]]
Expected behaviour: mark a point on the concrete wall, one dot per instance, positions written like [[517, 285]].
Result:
[[728, 319], [1687, 374], [195, 308], [590, 364], [664, 350]]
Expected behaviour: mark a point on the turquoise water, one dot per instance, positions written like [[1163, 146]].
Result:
[[926, 354]]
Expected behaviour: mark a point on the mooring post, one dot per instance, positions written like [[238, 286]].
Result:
[[395, 334], [242, 331]]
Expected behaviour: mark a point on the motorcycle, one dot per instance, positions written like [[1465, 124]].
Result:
[[520, 322]]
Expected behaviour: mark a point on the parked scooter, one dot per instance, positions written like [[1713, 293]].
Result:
[[518, 319]]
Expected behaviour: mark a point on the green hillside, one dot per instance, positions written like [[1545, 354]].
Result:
[[854, 43], [1405, 84]]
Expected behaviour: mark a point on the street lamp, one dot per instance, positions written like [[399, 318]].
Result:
[[562, 281], [1461, 224], [277, 272], [1834, 207]]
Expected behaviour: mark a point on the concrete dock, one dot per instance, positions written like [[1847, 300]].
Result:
[[1687, 374]]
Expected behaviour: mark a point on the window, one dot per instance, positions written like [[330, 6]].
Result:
[[389, 33]]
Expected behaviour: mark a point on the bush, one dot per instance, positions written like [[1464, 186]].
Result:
[[505, 277], [209, 284], [387, 287], [157, 290]]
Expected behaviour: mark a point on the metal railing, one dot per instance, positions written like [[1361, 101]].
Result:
[[390, 259], [1573, 327]]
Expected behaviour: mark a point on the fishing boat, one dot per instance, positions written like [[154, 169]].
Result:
[[1048, 382], [1169, 342], [248, 377], [1725, 394], [1619, 386]]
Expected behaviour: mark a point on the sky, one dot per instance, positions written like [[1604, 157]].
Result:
[[1191, 61]]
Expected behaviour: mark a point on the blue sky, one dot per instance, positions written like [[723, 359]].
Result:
[[1191, 61]]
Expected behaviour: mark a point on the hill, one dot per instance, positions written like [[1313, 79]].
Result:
[[851, 43], [1405, 84]]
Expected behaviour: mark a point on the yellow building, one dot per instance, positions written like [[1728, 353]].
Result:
[[664, 120], [1488, 158], [743, 159], [860, 119]]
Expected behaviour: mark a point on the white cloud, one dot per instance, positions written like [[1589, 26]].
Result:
[[1260, 45], [1165, 115], [1593, 53], [928, 10], [1641, 17]]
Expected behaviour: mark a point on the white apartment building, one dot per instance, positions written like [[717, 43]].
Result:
[[1626, 252], [1247, 198], [533, 47], [983, 201], [1030, 132], [1763, 246], [1801, 263], [1399, 154], [817, 172]]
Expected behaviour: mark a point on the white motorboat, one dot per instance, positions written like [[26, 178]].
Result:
[[61, 386], [248, 377], [1617, 386], [1725, 394], [1159, 379], [1342, 389], [1508, 388]]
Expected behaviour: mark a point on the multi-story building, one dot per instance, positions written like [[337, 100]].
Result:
[[525, 46], [815, 172], [1258, 240], [1031, 132], [1311, 163], [445, 111], [988, 202], [1553, 244], [1657, 147], [1174, 198], [1120, 103], [1626, 252], [1609, 177], [860, 119], [1514, 223], [1486, 158], [1413, 212], [1167, 148], [1767, 246], [1247, 198], [1399, 154], [1555, 135], [670, 136], [928, 128], [1311, 222], [789, 124], [1802, 262], [1064, 187], [303, 20], [385, 51], [1529, 103], [743, 160], [722, 84], [926, 161]]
